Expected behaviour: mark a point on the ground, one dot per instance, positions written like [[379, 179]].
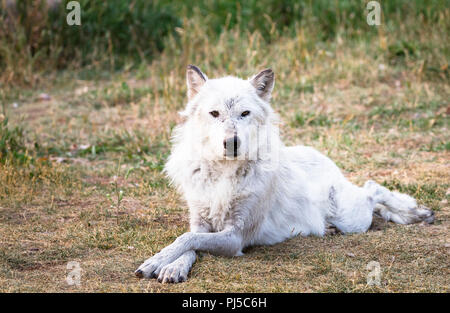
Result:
[[95, 193]]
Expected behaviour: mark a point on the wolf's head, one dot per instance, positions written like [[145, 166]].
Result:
[[228, 118]]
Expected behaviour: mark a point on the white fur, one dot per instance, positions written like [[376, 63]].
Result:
[[241, 201]]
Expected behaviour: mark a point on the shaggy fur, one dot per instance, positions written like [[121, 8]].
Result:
[[244, 187]]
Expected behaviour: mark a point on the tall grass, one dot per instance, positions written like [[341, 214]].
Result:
[[280, 18], [12, 143], [405, 42], [34, 37]]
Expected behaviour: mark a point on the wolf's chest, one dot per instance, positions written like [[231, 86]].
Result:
[[214, 200]]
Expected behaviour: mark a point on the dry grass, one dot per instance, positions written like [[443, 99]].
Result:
[[377, 117]]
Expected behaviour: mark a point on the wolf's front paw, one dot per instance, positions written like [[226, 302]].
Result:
[[152, 266], [175, 272]]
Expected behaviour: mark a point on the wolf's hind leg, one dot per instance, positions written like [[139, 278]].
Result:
[[397, 207], [351, 209]]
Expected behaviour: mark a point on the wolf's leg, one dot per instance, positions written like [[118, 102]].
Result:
[[228, 242], [178, 270], [351, 209], [397, 207]]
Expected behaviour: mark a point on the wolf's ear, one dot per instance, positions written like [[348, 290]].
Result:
[[264, 82], [195, 79]]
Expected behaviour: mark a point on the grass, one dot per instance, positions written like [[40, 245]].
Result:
[[376, 105]]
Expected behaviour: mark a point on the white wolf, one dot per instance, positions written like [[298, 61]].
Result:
[[240, 197]]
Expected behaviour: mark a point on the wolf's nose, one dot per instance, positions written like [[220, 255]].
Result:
[[232, 142]]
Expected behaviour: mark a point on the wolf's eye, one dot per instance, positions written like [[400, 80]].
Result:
[[245, 113], [214, 113]]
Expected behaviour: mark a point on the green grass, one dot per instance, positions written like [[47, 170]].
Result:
[[12, 143]]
